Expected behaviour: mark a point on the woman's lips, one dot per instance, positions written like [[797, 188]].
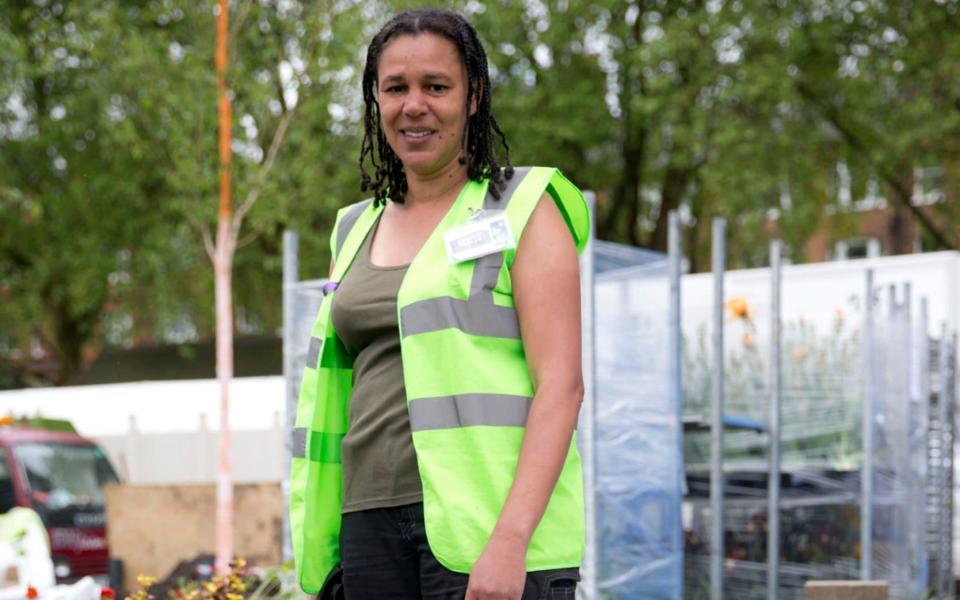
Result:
[[417, 136]]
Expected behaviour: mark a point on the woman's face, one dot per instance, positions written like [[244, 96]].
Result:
[[422, 90]]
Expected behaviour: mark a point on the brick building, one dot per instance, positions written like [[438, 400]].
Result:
[[873, 225]]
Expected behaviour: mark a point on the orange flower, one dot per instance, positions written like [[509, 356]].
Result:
[[747, 340], [739, 309], [800, 353], [32, 592]]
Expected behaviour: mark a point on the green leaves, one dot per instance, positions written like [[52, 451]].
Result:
[[108, 162]]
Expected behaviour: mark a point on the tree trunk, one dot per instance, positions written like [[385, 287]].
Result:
[[675, 182], [66, 333], [222, 265], [694, 254], [627, 198], [632, 181]]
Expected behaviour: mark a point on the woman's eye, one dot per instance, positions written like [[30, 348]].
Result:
[[394, 89], [436, 87]]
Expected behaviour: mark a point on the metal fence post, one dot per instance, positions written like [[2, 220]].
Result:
[[943, 351], [775, 396], [869, 403], [716, 427], [951, 429], [291, 274], [588, 424], [675, 258]]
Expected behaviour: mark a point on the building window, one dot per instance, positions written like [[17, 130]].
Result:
[[848, 195], [927, 186], [872, 200], [844, 191], [857, 247]]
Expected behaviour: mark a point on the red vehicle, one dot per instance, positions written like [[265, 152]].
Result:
[[45, 465]]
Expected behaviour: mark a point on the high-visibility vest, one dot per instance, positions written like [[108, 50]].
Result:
[[468, 392]]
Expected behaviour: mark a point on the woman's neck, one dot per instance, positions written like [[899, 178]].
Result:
[[439, 186]]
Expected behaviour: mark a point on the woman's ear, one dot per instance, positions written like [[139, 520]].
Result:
[[475, 99]]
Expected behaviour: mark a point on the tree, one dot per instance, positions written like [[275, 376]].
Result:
[[81, 177], [296, 54], [106, 250], [875, 75]]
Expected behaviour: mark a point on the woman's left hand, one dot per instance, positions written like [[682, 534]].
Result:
[[501, 571]]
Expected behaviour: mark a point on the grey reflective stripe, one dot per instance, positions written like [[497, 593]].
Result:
[[299, 442], [348, 221], [466, 410], [477, 315], [489, 202], [313, 352]]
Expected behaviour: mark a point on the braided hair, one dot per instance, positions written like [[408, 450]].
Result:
[[479, 149]]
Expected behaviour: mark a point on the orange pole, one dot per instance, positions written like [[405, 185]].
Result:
[[223, 109]]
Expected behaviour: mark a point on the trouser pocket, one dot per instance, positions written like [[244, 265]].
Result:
[[553, 584]]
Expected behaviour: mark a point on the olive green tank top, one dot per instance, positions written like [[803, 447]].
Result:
[[379, 462]]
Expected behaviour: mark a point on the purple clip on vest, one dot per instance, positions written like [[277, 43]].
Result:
[[330, 286]]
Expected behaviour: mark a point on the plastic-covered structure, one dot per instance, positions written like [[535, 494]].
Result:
[[638, 428]]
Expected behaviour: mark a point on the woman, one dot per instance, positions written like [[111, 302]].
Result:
[[433, 451]]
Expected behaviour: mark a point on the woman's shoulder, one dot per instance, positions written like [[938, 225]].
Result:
[[347, 217], [353, 210], [536, 186]]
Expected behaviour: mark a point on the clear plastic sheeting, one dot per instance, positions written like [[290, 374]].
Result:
[[608, 257], [637, 429], [900, 452]]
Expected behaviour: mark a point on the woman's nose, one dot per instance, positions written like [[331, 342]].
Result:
[[414, 103]]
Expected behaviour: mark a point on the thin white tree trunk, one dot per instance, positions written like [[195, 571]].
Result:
[[223, 293], [224, 305], [221, 254]]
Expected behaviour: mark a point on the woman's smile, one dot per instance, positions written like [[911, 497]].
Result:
[[417, 135]]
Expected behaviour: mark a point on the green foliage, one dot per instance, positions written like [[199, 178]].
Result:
[[83, 184], [108, 168]]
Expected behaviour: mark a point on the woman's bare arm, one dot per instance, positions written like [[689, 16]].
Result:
[[546, 290]]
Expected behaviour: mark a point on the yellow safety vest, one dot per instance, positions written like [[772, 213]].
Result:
[[468, 392]]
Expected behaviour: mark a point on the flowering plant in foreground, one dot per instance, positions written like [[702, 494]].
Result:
[[239, 584]]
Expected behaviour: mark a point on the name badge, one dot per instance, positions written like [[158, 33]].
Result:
[[486, 232]]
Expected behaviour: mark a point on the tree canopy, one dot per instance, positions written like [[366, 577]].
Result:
[[108, 163]]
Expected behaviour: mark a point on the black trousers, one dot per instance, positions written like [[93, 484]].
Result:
[[385, 556]]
